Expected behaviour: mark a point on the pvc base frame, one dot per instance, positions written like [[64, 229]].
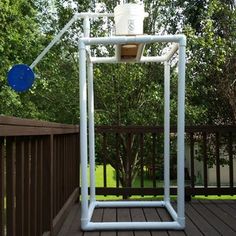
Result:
[[135, 225]]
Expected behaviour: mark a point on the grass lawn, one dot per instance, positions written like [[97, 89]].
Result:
[[111, 182]]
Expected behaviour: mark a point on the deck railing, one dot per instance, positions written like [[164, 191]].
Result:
[[208, 147], [39, 167], [39, 175]]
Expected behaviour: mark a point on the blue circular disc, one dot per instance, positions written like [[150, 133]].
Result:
[[20, 77]]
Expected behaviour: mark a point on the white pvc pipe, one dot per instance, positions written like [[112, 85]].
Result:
[[153, 59], [133, 226], [86, 28], [130, 204], [180, 134], [93, 15], [133, 39], [172, 51], [167, 132], [104, 60], [91, 132], [56, 39], [91, 208], [171, 210], [115, 60], [83, 135], [64, 29]]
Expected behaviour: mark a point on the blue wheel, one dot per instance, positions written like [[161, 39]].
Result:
[[20, 77]]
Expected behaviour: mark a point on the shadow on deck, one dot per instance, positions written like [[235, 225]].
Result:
[[202, 218]]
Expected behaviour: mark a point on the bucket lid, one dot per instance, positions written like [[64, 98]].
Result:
[[129, 8]]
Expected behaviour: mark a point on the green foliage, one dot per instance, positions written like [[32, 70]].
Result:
[[19, 36]]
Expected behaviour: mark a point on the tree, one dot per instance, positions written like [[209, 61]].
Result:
[[211, 66], [19, 43]]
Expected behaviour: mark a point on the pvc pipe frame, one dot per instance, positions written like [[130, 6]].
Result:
[[84, 46], [87, 209]]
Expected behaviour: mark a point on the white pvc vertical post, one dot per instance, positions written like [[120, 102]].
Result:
[[83, 135], [167, 132], [86, 28], [91, 132], [180, 134]]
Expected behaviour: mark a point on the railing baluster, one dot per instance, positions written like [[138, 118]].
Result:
[[48, 183], [205, 159], [129, 159], [192, 160], [59, 176], [117, 159], [58, 191], [33, 189], [2, 185], [10, 185], [20, 186], [74, 162], [217, 160], [55, 159], [141, 161], [27, 186], [68, 152], [231, 168], [39, 185], [104, 160], [154, 159]]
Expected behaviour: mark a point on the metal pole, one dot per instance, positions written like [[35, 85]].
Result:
[[83, 135], [180, 134], [167, 132]]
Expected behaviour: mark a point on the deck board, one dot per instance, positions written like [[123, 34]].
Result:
[[213, 219], [202, 218], [109, 215], [123, 214], [137, 214]]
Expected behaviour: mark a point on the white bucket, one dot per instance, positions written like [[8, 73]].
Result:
[[129, 19]]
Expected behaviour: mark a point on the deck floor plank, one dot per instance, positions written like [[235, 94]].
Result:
[[227, 208], [202, 224], [75, 226], [212, 219], [165, 216], [109, 215], [69, 221], [137, 214], [190, 226], [96, 217], [151, 215], [123, 214], [221, 214], [202, 218]]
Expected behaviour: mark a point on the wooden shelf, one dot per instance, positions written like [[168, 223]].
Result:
[[129, 52]]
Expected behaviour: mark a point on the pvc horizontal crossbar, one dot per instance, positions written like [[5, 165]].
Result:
[[181, 39], [129, 204], [132, 226], [140, 39]]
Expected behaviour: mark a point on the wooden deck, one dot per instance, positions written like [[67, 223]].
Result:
[[202, 218]]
